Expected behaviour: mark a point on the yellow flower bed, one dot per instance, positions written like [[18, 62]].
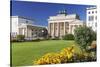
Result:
[[55, 58], [49, 58]]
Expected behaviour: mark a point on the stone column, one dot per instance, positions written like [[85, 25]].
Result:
[[64, 28], [73, 28], [26, 32], [23, 31], [17, 31], [58, 29], [53, 30], [49, 29]]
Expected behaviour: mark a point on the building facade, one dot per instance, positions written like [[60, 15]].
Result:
[[63, 24], [91, 18], [25, 26]]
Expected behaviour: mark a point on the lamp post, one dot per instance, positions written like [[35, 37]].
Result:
[[42, 32]]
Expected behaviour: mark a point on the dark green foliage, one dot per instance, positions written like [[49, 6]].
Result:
[[55, 38], [94, 36], [36, 40], [84, 36], [20, 37], [84, 57], [68, 37], [14, 40]]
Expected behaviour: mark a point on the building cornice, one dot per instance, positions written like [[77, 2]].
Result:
[[91, 8], [22, 17]]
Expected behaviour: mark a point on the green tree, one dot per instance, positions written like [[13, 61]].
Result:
[[84, 36]]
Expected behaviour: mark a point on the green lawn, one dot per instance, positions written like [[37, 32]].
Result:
[[23, 53]]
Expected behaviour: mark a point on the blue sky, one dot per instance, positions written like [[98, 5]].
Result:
[[40, 11]]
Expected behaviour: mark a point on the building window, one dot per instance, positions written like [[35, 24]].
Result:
[[26, 21], [88, 12], [95, 24], [95, 17], [95, 11], [92, 12], [91, 18]]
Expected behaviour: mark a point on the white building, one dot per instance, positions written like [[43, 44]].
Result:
[[91, 18], [63, 24], [17, 21], [25, 26]]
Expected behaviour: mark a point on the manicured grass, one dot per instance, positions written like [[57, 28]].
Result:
[[24, 53]]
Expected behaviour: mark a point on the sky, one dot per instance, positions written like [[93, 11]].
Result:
[[40, 12]]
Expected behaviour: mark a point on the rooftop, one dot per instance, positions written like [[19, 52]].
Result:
[[24, 24], [23, 18], [91, 8]]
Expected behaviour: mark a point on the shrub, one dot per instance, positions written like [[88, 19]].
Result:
[[92, 47], [84, 36], [68, 37], [66, 55], [93, 56], [13, 40], [20, 37], [35, 40], [55, 38], [84, 57]]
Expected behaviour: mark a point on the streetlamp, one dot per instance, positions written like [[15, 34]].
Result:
[[42, 32]]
